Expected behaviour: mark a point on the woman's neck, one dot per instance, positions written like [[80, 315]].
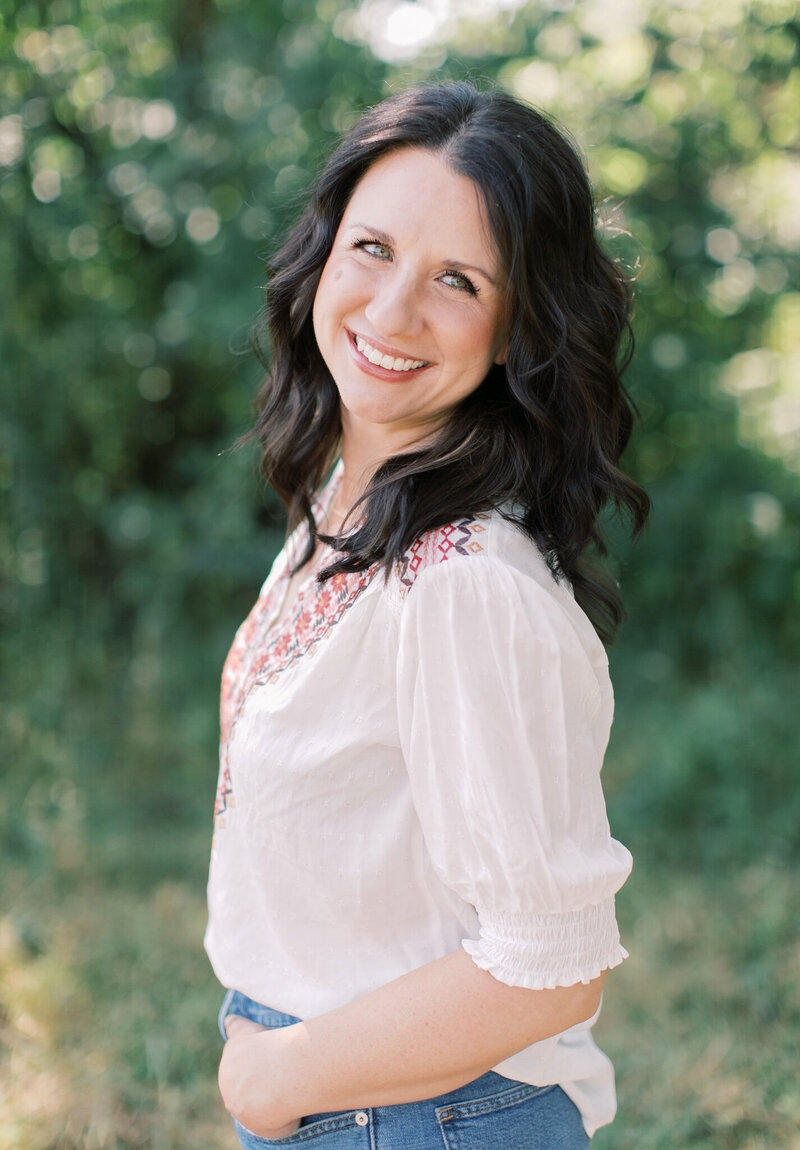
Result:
[[364, 449]]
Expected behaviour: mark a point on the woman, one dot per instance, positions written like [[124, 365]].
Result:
[[411, 851]]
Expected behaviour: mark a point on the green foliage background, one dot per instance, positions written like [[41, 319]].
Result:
[[149, 156]]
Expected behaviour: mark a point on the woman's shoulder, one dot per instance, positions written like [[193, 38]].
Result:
[[465, 537], [489, 558], [485, 539]]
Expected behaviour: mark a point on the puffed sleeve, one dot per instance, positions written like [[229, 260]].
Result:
[[504, 709]]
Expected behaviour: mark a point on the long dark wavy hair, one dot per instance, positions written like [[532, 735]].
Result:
[[541, 436]]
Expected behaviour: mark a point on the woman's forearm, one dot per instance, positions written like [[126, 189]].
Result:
[[421, 1035]]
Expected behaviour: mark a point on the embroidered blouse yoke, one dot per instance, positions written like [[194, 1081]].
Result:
[[412, 765]]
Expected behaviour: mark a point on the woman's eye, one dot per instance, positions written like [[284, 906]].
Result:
[[459, 281], [374, 248]]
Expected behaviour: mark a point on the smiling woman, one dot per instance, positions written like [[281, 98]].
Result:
[[412, 882]]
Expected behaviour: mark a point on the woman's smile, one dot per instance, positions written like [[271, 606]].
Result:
[[410, 312], [377, 355]]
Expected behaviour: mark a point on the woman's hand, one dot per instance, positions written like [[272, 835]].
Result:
[[244, 1079]]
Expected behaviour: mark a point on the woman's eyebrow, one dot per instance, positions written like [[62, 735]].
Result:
[[384, 238], [376, 233]]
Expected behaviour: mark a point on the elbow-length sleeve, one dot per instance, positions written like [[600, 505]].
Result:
[[504, 709]]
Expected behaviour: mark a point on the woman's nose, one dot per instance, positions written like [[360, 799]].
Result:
[[394, 308]]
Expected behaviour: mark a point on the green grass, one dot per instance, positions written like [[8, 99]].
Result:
[[109, 1008], [108, 1016], [703, 1021]]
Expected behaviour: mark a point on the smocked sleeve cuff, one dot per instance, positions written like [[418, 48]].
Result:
[[542, 951]]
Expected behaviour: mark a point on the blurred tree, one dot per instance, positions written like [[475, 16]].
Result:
[[150, 155]]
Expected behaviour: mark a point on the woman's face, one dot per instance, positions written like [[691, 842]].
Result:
[[409, 314]]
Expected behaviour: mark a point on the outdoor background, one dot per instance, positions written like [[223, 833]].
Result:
[[150, 156]]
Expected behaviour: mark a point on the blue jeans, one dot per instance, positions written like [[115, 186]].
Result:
[[491, 1113]]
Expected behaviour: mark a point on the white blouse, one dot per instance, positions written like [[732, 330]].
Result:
[[410, 765]]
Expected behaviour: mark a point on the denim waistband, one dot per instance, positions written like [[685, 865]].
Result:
[[235, 1002]]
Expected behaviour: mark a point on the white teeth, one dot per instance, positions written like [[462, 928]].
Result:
[[386, 361]]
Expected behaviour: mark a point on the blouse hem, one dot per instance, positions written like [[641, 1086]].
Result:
[[542, 951], [541, 980]]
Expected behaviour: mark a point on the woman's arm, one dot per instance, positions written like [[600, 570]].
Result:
[[423, 1034]]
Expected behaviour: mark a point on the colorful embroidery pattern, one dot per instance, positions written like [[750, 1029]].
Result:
[[260, 657], [438, 545]]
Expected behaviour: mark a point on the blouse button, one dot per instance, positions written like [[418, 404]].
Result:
[[361, 1118]]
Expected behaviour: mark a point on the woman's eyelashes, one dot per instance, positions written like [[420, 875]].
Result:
[[463, 283], [381, 251], [373, 248]]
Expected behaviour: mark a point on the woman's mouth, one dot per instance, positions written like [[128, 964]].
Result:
[[382, 360]]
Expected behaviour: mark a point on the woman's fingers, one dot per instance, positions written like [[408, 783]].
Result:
[[278, 1131], [236, 1025]]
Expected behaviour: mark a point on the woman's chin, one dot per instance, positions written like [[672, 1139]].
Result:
[[371, 415]]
